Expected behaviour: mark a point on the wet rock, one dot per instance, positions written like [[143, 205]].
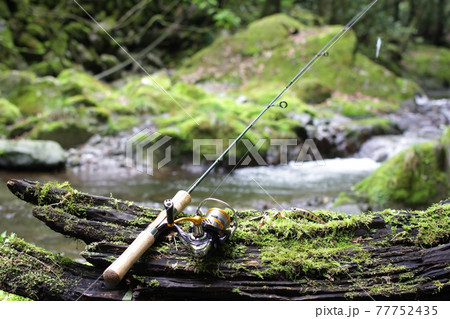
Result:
[[381, 148], [67, 134], [424, 117], [343, 137], [31, 155]]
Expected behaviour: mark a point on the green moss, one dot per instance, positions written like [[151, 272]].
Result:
[[412, 178], [374, 80], [313, 91], [429, 65], [293, 247], [25, 268], [445, 138], [77, 82], [12, 79], [125, 122], [360, 107], [30, 94], [377, 125], [66, 133], [9, 113], [344, 198], [220, 118], [265, 34], [5, 296], [433, 226], [42, 191], [31, 43], [428, 228], [253, 56], [148, 95]]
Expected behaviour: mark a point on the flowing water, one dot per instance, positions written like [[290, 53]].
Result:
[[247, 188]]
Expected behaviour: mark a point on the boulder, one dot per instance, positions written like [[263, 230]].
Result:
[[413, 178], [67, 133], [271, 50], [31, 155], [428, 65]]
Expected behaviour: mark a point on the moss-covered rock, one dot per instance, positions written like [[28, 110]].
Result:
[[445, 142], [148, 95], [23, 127], [412, 178], [29, 93], [10, 80], [124, 122], [31, 155], [429, 65], [76, 82], [67, 133], [238, 60], [212, 117], [359, 107], [9, 113]]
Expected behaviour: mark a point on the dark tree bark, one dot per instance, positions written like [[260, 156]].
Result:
[[439, 34], [383, 259], [271, 7]]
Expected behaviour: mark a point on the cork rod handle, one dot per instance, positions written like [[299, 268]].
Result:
[[118, 269]]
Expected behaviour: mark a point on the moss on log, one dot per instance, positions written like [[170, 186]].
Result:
[[402, 255]]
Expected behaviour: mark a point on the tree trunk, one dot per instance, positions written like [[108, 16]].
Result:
[[439, 34], [373, 256]]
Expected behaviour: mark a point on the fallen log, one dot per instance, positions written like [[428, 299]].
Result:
[[395, 255]]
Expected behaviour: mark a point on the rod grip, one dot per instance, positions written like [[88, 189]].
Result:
[[118, 269]]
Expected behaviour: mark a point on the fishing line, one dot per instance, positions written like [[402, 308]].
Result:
[[337, 262], [321, 53], [118, 269], [87, 289]]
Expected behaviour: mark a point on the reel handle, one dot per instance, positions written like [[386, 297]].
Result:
[[118, 269]]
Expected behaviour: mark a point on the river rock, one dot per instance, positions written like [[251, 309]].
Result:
[[67, 133], [31, 155], [342, 137]]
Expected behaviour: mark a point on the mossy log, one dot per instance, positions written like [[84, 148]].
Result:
[[395, 255]]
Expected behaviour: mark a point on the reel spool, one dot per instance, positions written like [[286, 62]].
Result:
[[207, 231]]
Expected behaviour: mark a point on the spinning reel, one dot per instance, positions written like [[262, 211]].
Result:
[[207, 231]]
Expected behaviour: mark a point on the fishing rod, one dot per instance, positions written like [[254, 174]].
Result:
[[216, 220]]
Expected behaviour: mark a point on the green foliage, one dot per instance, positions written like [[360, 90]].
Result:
[[426, 228], [31, 267], [428, 65], [67, 133], [355, 107], [5, 296], [208, 116], [294, 247], [9, 113], [265, 59], [124, 122]]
